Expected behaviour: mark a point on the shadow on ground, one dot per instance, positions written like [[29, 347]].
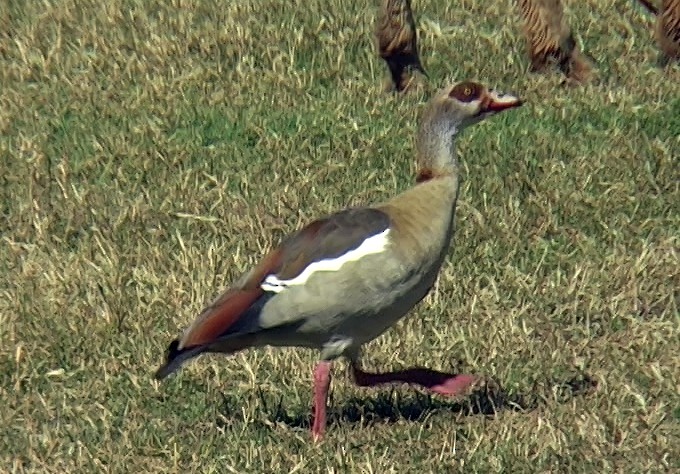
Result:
[[390, 405]]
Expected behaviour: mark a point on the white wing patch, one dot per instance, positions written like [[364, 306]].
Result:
[[375, 244]]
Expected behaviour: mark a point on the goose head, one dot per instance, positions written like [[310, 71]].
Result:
[[451, 110]]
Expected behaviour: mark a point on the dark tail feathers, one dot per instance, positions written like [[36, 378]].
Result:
[[175, 357]]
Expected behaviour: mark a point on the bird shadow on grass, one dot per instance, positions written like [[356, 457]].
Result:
[[390, 405]]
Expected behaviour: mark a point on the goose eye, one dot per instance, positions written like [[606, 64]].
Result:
[[465, 92]]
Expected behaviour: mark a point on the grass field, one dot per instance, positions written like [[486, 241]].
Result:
[[151, 151]]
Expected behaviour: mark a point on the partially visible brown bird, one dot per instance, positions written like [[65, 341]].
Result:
[[549, 38], [395, 32], [667, 29]]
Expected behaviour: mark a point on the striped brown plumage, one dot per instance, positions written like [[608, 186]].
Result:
[[549, 38], [397, 41], [667, 29]]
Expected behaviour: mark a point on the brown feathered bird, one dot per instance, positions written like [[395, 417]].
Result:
[[549, 39], [395, 32], [667, 30]]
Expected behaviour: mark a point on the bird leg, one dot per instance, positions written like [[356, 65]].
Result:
[[398, 74], [663, 60], [322, 382], [539, 63], [432, 380]]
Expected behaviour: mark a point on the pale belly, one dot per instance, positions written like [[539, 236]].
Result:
[[339, 311], [352, 310]]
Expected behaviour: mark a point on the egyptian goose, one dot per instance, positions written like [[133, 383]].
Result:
[[667, 30], [343, 280], [549, 37], [396, 38]]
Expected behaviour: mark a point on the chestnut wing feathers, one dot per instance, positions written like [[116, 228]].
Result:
[[329, 238], [235, 312]]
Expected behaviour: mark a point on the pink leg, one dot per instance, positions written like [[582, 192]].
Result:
[[322, 381], [433, 380]]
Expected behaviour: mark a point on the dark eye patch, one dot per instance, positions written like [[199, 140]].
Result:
[[466, 91]]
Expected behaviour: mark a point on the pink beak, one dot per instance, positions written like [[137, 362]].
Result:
[[496, 102]]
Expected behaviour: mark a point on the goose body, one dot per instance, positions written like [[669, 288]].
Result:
[[343, 280]]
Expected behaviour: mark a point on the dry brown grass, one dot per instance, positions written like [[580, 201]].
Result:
[[151, 151]]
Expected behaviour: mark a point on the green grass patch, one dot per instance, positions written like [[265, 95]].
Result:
[[152, 151]]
